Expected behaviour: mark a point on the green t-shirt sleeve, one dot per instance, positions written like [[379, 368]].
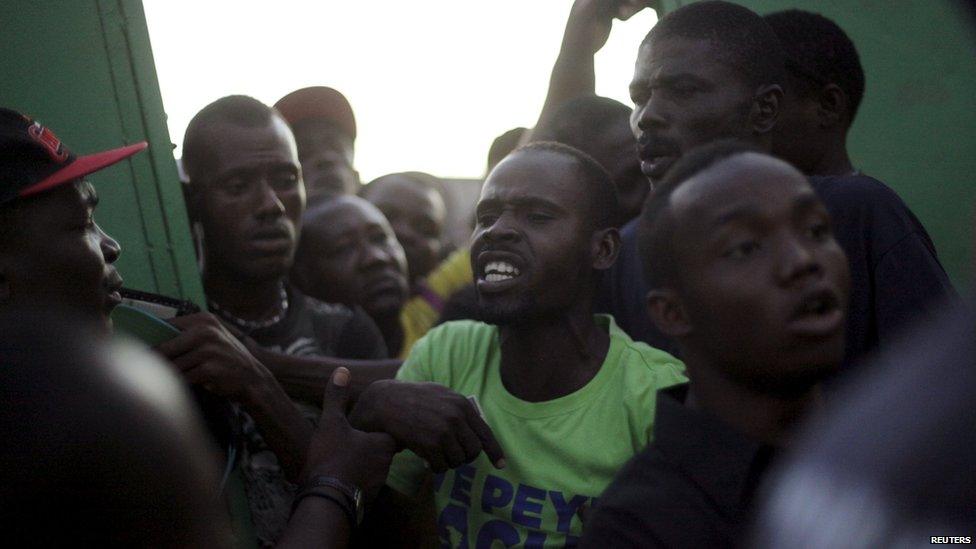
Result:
[[408, 470]]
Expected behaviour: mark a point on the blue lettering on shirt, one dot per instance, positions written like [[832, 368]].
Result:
[[565, 511], [515, 505], [461, 490], [497, 492], [528, 502], [497, 530], [452, 526]]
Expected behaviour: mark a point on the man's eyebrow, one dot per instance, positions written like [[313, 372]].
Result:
[[665, 79], [806, 201], [537, 202], [283, 165], [522, 202], [486, 203], [637, 87], [261, 166]]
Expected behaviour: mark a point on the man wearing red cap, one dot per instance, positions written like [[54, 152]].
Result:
[[325, 132], [51, 250], [52, 253]]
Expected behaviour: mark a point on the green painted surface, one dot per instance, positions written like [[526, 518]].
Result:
[[916, 128], [85, 69]]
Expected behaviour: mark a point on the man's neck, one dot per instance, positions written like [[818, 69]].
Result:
[[544, 360], [392, 330], [245, 299], [835, 160], [762, 416]]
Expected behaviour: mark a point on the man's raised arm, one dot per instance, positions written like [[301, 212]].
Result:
[[587, 30]]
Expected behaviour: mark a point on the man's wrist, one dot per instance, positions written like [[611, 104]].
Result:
[[328, 496], [365, 416], [328, 487]]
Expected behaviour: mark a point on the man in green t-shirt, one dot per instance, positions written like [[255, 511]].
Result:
[[567, 394]]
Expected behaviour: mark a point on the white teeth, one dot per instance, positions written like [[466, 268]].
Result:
[[498, 277], [500, 267]]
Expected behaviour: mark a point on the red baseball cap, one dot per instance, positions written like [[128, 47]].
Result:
[[34, 160]]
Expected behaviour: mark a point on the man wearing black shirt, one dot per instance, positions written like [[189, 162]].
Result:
[[746, 276], [709, 70], [247, 192], [896, 276]]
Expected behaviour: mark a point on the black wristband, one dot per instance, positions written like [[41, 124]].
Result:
[[321, 493], [352, 493]]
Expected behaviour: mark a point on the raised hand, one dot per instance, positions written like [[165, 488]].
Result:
[[433, 421], [338, 450], [590, 21]]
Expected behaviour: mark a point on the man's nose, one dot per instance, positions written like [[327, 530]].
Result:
[[797, 261], [503, 229], [374, 255], [268, 202], [649, 116], [406, 233], [111, 250]]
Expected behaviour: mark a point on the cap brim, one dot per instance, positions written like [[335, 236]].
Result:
[[82, 166]]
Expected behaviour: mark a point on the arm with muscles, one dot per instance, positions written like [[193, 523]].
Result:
[[430, 419], [587, 30], [337, 452], [306, 377], [416, 413], [207, 354], [436, 423]]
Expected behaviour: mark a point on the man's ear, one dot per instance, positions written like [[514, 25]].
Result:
[[604, 247], [192, 197], [667, 312], [766, 106], [832, 106]]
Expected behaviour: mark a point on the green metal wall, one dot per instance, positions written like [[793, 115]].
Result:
[[85, 69], [916, 128]]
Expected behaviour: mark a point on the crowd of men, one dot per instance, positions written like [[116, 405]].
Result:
[[653, 305]]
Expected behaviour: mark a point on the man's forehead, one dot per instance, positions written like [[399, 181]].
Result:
[[403, 193], [668, 56], [395, 188], [747, 180], [65, 201], [77, 195], [344, 214], [321, 132], [538, 175], [232, 145]]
